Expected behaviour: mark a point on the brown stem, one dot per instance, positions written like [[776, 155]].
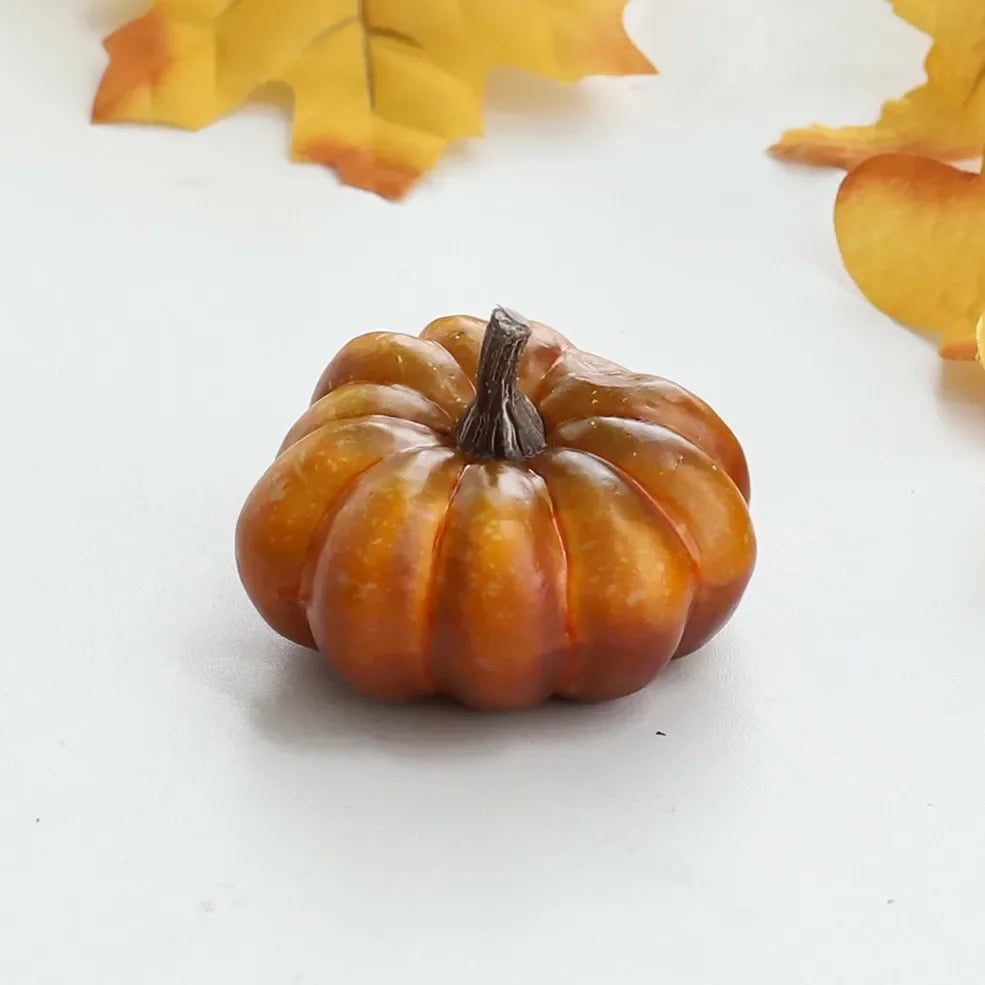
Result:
[[501, 422]]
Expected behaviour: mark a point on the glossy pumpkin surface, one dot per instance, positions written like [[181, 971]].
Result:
[[417, 567]]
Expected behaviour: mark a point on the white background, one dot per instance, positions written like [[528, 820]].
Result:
[[186, 800]]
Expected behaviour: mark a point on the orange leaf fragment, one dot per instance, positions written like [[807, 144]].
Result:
[[911, 231], [944, 118], [380, 86]]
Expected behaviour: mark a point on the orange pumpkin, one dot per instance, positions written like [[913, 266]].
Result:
[[487, 512]]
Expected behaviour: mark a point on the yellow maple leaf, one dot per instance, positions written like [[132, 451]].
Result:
[[380, 86], [943, 118]]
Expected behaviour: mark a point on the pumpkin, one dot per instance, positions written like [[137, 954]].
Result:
[[487, 512]]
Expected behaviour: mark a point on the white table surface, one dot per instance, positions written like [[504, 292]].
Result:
[[186, 800]]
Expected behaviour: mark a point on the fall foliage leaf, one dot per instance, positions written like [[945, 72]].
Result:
[[943, 118], [911, 231], [380, 86]]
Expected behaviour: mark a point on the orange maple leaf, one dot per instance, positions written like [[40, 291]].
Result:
[[380, 86]]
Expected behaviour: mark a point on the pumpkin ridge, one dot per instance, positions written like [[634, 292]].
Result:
[[361, 418], [682, 537], [324, 525], [352, 361], [569, 635], [714, 459], [539, 394], [322, 529], [403, 387], [447, 352], [343, 421], [467, 373], [439, 539]]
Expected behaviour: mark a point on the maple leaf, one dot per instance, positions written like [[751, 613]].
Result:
[[380, 86], [944, 118], [911, 231]]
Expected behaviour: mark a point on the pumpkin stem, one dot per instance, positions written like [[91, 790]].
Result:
[[501, 422]]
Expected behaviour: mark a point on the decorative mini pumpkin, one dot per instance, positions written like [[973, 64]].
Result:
[[487, 512]]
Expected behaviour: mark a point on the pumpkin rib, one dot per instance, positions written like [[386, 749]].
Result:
[[439, 538], [656, 507], [468, 371], [436, 345], [686, 542], [569, 633], [349, 365], [362, 418], [323, 527], [714, 459], [547, 386], [540, 393], [452, 354], [544, 335], [702, 492], [288, 501], [628, 626], [406, 388], [593, 381], [346, 546], [401, 388], [377, 416], [638, 420], [359, 419]]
